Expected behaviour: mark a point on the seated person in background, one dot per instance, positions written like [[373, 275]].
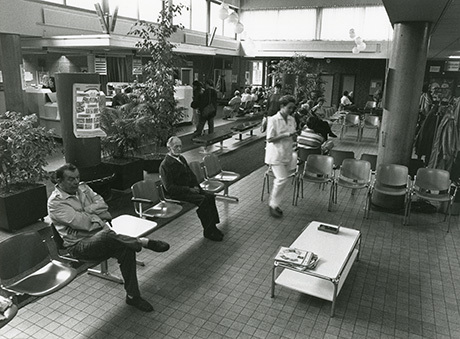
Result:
[[310, 138], [322, 126], [247, 102], [180, 183], [233, 106], [246, 97], [80, 216], [261, 96], [319, 110], [346, 102], [254, 95]]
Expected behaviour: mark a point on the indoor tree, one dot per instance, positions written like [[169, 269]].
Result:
[[161, 111], [307, 84]]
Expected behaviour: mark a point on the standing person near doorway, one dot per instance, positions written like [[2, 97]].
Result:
[[281, 133], [208, 109], [197, 92], [273, 104]]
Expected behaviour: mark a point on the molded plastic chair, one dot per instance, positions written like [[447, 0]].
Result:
[[149, 201], [393, 180], [340, 156], [372, 158], [351, 120], [214, 171], [371, 122], [317, 169], [354, 174], [27, 268], [103, 272], [208, 185], [433, 185]]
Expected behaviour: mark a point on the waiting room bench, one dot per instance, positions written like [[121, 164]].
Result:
[[245, 127], [211, 139]]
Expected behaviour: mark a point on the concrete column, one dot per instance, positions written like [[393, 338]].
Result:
[[403, 88], [11, 56]]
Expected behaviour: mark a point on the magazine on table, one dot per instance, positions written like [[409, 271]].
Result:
[[297, 258]]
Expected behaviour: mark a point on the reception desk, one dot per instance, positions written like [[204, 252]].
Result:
[[43, 103]]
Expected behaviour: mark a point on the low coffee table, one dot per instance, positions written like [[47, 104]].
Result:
[[337, 253]]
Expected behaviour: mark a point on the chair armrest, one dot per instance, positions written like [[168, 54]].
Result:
[[174, 201], [455, 187], [140, 200]]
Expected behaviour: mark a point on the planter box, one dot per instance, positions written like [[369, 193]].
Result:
[[23, 208], [152, 163], [127, 171]]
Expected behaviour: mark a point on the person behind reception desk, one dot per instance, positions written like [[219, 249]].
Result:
[[48, 82], [80, 216], [119, 99]]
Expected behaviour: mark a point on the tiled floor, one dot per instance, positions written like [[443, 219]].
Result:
[[406, 284]]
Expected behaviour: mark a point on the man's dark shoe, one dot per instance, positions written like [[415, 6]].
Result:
[[274, 213], [157, 245], [218, 231], [211, 235], [139, 303], [279, 210]]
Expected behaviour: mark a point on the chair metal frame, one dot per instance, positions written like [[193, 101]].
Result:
[[214, 171], [371, 122], [207, 185], [102, 272], [27, 267], [372, 158], [393, 180], [351, 120], [339, 156], [354, 174], [433, 184], [317, 169], [158, 205]]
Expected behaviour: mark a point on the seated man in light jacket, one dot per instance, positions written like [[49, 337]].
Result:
[[80, 216]]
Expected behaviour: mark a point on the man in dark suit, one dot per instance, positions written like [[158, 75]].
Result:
[[180, 183]]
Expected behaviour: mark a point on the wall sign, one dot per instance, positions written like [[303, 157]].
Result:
[[435, 69], [452, 66]]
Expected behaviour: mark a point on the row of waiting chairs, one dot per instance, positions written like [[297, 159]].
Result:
[[341, 169], [354, 120], [28, 268], [149, 196]]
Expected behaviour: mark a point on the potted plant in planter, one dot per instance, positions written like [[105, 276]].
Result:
[[161, 113], [24, 147], [125, 128]]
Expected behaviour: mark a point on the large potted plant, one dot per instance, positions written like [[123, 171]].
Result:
[[24, 147], [307, 84], [161, 112], [125, 128]]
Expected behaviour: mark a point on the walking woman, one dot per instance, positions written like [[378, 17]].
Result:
[[281, 134]]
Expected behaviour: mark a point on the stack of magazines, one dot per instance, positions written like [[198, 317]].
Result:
[[298, 259]]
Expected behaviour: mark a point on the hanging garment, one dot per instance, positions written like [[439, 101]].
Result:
[[425, 136], [445, 144]]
